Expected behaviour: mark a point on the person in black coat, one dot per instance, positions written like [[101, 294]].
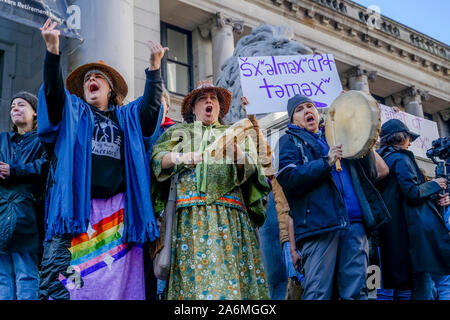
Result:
[[333, 212], [414, 245], [23, 168]]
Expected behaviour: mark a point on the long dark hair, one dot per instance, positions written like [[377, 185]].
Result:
[[394, 139]]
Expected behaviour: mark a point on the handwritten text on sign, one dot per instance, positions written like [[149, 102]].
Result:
[[427, 129], [268, 82]]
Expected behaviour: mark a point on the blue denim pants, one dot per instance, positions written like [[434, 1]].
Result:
[[336, 259], [429, 286], [19, 277]]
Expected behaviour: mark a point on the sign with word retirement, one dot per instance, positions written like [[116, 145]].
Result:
[[268, 82], [34, 13]]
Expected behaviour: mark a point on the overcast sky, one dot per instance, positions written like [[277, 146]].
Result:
[[431, 17]]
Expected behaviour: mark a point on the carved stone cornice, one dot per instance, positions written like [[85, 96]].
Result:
[[414, 93], [358, 22], [357, 71], [445, 114], [237, 25], [220, 21]]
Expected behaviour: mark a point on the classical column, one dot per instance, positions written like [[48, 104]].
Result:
[[108, 32], [442, 118], [221, 30], [358, 78], [202, 53], [412, 100]]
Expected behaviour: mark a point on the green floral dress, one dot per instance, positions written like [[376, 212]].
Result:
[[215, 251]]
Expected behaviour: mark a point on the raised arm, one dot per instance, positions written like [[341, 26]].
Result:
[[53, 81], [151, 100]]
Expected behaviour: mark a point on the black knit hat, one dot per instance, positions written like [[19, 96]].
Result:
[[394, 126], [29, 97], [294, 102]]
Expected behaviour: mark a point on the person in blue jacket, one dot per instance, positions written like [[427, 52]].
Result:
[[98, 207], [415, 244], [333, 212], [23, 169]]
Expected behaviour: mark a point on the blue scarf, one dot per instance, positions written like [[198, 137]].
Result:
[[68, 201]]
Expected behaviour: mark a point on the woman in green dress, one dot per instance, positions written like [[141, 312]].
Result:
[[215, 250]]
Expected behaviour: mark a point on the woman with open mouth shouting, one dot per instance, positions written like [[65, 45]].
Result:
[[99, 211], [218, 206]]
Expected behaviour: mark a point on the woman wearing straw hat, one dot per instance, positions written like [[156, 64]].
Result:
[[98, 202], [23, 168], [215, 252]]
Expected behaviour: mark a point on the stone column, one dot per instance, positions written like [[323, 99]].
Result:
[[202, 53], [442, 118], [108, 31], [221, 31], [412, 101], [358, 78]]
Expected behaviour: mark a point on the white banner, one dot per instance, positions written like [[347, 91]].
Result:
[[268, 82], [427, 129]]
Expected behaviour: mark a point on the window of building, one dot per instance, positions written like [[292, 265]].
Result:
[[177, 64]]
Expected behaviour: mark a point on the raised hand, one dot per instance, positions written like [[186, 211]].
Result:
[[244, 103], [51, 36], [156, 54]]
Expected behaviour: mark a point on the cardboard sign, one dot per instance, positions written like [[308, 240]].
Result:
[[427, 129], [34, 13], [268, 82]]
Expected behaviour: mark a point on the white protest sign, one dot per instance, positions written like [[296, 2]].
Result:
[[427, 129], [268, 82]]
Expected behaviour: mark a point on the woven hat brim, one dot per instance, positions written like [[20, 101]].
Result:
[[75, 80], [188, 102]]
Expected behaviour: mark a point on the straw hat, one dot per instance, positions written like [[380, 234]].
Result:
[[187, 106], [75, 80]]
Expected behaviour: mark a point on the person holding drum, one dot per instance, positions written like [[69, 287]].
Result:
[[415, 244], [333, 212]]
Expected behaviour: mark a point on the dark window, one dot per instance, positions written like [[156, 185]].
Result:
[[378, 98], [428, 116], [177, 64]]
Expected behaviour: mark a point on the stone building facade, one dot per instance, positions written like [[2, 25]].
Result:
[[398, 65]]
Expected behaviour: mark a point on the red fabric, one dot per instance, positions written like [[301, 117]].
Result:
[[167, 122]]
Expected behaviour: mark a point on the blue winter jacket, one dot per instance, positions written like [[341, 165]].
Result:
[[314, 199], [68, 201]]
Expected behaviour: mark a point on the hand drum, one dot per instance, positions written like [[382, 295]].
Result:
[[236, 133], [354, 120]]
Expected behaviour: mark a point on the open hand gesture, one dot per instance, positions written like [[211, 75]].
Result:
[[51, 36], [156, 54]]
